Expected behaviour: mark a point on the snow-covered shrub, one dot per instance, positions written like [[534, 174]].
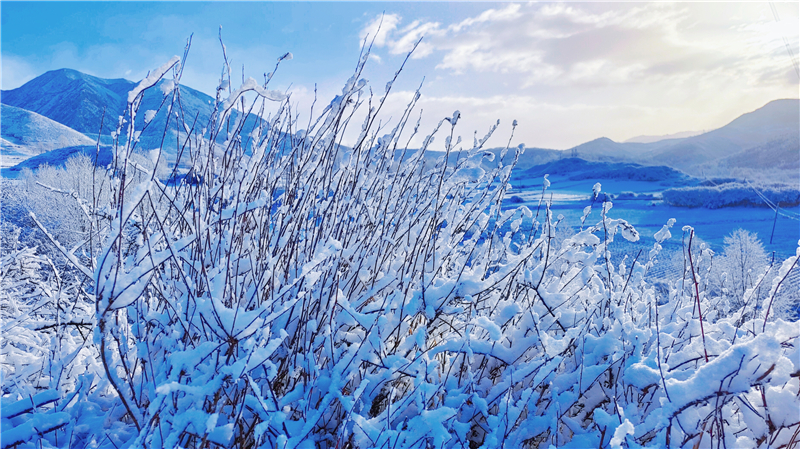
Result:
[[62, 200], [307, 294], [47, 326], [68, 203], [635, 196], [740, 267]]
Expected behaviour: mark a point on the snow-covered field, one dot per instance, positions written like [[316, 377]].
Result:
[[298, 294], [648, 213]]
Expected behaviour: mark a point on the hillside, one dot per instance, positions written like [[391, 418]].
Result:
[[58, 157], [778, 120], [769, 134], [32, 133], [579, 169], [780, 154]]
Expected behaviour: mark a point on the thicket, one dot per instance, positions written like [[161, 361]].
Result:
[[294, 292]]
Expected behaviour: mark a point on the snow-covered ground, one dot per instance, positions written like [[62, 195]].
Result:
[[645, 210]]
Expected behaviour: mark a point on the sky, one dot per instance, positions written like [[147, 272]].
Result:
[[567, 72]]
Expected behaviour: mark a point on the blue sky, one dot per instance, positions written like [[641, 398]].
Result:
[[568, 72]]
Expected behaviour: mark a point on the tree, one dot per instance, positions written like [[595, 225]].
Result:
[[741, 265]]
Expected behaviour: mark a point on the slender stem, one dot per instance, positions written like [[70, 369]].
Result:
[[697, 292]]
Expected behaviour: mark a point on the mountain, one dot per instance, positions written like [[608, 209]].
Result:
[[72, 98], [78, 100], [31, 133], [606, 149], [771, 132], [778, 120], [651, 139]]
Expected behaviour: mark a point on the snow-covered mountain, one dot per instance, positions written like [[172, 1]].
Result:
[[72, 98], [80, 101]]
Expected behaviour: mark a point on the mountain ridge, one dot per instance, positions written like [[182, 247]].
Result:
[[72, 98], [778, 120]]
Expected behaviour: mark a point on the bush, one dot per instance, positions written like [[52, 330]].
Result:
[[312, 295]]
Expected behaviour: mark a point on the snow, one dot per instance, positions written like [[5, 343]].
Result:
[[664, 233], [152, 78], [252, 85], [38, 424], [28, 404], [493, 329], [620, 434]]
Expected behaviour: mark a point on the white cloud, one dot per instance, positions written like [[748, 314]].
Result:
[[379, 28], [508, 13], [558, 43], [16, 72], [572, 72]]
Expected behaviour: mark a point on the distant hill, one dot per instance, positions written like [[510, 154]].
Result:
[[606, 149], [771, 132], [775, 119], [580, 169], [651, 139], [31, 133], [778, 120], [78, 101]]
